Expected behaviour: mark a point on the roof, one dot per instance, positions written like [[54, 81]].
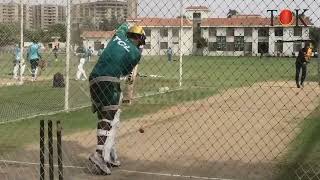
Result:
[[203, 8], [246, 21], [160, 22], [97, 34]]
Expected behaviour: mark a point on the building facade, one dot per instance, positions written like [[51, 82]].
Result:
[[104, 9], [248, 35], [44, 16], [11, 13], [251, 35], [163, 33], [95, 39], [35, 16]]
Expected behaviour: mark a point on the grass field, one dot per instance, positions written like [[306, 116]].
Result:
[[202, 77]]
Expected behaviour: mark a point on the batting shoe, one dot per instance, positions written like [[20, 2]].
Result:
[[98, 161], [114, 160]]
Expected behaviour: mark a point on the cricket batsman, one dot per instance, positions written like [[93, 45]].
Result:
[[118, 59]]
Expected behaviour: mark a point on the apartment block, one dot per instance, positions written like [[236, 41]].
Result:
[[35, 16], [104, 9], [11, 13], [46, 15]]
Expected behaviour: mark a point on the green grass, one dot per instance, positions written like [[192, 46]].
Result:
[[304, 151], [215, 73], [202, 77]]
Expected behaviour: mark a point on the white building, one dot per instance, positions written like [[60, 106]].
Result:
[[251, 35], [95, 39], [239, 35], [163, 33]]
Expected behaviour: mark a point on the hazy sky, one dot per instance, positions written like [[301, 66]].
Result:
[[219, 8]]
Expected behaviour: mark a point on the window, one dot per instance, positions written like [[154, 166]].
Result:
[[221, 43], [248, 32], [97, 45], [279, 47], [278, 31], [263, 32], [297, 46], [297, 31], [230, 31], [164, 32], [147, 45], [230, 46], [147, 31], [163, 45], [212, 46], [263, 47], [239, 43], [175, 43], [196, 15], [212, 31], [175, 32]]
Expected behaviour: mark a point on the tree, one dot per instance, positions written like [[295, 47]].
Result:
[[76, 35], [232, 12], [109, 25], [9, 34], [88, 24], [59, 30], [315, 35]]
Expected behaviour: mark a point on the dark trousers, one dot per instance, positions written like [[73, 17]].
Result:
[[299, 67], [34, 64]]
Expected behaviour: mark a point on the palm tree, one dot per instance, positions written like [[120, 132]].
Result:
[[232, 12]]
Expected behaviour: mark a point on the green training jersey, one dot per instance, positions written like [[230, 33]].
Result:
[[119, 57]]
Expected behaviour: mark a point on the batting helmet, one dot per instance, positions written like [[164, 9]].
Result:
[[137, 32]]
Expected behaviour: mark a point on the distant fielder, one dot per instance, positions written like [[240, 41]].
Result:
[[34, 56], [81, 73], [118, 59], [18, 64]]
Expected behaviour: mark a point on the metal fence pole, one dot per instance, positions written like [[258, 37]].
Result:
[[318, 63], [21, 34], [180, 43], [66, 97]]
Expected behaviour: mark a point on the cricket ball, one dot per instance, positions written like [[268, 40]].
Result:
[[141, 130]]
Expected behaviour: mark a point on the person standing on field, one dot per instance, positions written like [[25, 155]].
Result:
[[118, 59], [81, 73], [16, 61], [34, 56], [169, 53], [55, 52], [302, 60]]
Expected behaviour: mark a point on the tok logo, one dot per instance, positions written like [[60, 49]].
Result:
[[286, 17]]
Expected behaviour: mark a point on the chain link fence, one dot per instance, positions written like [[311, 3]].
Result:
[[214, 95]]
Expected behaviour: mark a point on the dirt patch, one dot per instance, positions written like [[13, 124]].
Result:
[[240, 133]]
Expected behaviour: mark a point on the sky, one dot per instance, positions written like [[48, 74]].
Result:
[[218, 8]]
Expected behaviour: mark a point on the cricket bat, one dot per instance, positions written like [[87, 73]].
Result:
[[129, 88]]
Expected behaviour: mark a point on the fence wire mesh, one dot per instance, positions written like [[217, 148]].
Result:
[[213, 96]]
